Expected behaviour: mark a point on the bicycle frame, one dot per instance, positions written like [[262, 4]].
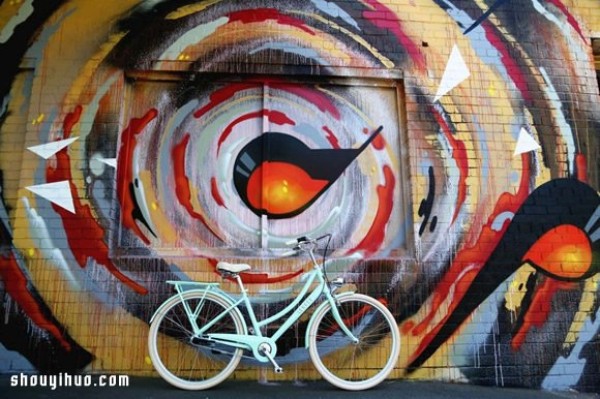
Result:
[[255, 339]]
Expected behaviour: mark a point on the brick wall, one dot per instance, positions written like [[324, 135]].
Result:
[[473, 214]]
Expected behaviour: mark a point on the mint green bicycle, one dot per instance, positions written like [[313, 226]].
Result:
[[199, 335]]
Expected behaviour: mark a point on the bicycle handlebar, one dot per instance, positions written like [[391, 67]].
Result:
[[303, 243], [304, 240], [296, 241]]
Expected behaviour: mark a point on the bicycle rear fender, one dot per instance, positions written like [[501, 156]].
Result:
[[321, 306], [191, 286]]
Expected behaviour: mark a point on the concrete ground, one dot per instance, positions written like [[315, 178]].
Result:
[[155, 388]]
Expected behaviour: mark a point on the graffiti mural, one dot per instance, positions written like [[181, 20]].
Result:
[[449, 146]]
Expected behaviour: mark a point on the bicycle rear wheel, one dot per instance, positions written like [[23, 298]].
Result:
[[193, 364], [349, 365]]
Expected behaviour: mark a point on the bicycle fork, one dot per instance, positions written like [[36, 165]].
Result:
[[334, 303]]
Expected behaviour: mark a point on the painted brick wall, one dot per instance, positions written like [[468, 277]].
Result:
[[474, 214]]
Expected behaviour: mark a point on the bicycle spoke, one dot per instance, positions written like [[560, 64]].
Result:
[[351, 365], [198, 309], [179, 324], [184, 362]]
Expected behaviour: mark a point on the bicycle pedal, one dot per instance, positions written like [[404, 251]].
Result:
[[278, 370]]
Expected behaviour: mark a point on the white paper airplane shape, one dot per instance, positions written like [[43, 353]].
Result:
[[525, 143], [58, 193], [109, 161], [47, 150], [456, 72]]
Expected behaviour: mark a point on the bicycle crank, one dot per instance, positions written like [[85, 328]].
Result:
[[265, 349]]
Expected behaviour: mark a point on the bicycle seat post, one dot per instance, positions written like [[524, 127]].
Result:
[[240, 283]]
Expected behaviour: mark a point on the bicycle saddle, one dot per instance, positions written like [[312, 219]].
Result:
[[234, 268]]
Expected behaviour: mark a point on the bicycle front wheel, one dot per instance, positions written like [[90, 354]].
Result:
[[344, 363], [187, 362]]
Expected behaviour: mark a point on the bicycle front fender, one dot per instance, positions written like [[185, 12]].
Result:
[[319, 308]]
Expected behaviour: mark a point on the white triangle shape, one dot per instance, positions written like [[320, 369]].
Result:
[[47, 150], [58, 193], [525, 143], [109, 161], [456, 72]]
